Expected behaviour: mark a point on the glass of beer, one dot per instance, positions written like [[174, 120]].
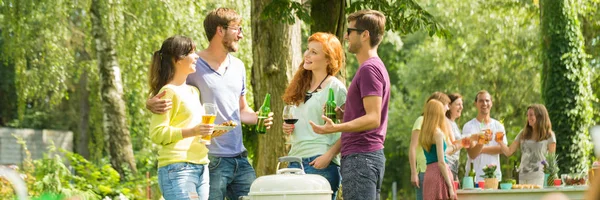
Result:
[[482, 138], [488, 135], [210, 114], [499, 136], [466, 142]]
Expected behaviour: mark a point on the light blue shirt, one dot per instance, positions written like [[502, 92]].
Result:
[[223, 90]]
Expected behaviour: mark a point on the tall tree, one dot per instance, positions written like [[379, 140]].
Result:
[[119, 141], [276, 48], [566, 86]]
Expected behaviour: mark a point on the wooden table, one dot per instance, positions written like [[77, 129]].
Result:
[[574, 193]]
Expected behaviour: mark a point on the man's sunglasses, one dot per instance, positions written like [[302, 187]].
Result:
[[349, 30]]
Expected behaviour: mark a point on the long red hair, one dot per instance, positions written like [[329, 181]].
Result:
[[296, 91]]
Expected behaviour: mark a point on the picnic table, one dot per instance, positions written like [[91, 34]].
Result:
[[573, 192]]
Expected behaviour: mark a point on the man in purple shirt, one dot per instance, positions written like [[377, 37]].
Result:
[[365, 116]]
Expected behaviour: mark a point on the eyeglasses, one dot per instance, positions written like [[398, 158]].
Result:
[[349, 30], [239, 28]]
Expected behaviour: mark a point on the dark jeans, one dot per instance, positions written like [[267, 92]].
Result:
[[362, 175], [230, 177], [331, 172]]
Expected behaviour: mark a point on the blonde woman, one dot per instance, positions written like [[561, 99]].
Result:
[[433, 136]]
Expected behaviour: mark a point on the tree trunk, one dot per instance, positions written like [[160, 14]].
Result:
[[115, 127], [83, 138], [330, 16], [276, 50], [566, 83]]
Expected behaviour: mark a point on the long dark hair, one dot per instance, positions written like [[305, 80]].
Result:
[[542, 124], [453, 97], [162, 67]]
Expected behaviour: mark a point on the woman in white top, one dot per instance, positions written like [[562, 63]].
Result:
[[536, 140], [453, 113]]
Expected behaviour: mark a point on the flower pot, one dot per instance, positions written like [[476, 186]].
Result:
[[506, 186], [546, 180], [491, 183]]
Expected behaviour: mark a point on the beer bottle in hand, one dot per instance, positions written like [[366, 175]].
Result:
[[330, 107], [263, 113]]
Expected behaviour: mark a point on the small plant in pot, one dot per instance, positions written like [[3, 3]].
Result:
[[489, 176], [506, 184]]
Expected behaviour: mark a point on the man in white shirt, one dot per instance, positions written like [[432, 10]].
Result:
[[490, 152]]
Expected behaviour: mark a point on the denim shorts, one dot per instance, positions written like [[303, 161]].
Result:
[[362, 175], [183, 181], [230, 177], [331, 172]]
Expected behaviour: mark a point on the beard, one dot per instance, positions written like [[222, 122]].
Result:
[[228, 43], [354, 47]]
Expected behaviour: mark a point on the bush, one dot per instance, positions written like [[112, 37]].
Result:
[[50, 178]]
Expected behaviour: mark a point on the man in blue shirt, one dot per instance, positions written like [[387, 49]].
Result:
[[221, 79]]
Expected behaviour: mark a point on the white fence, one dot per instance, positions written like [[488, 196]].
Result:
[[37, 142]]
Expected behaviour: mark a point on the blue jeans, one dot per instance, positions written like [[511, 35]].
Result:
[[183, 181], [362, 175], [230, 177], [331, 172], [419, 190]]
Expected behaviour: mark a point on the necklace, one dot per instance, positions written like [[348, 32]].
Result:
[[309, 94]]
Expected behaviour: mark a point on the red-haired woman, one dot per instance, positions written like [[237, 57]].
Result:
[[308, 90]]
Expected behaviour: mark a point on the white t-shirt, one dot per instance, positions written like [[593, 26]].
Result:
[[474, 126]]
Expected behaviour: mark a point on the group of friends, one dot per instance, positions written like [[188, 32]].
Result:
[[436, 142], [182, 80]]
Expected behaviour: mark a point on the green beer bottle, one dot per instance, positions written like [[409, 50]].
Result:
[[330, 107], [263, 114]]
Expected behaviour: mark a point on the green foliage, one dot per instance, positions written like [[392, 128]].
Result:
[[566, 86], [287, 11], [50, 176], [489, 171], [403, 16], [551, 164]]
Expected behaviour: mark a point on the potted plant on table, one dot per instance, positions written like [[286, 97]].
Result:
[[550, 168], [489, 176], [506, 184]]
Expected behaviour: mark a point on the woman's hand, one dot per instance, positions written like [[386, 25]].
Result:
[[452, 193], [288, 128], [414, 179], [204, 129], [322, 161]]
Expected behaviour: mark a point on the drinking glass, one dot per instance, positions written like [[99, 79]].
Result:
[[210, 114], [466, 142], [289, 114], [499, 136]]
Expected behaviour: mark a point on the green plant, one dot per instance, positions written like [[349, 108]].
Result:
[[509, 180], [50, 178], [551, 164], [489, 171]]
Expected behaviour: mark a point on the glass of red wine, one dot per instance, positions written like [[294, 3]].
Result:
[[289, 114]]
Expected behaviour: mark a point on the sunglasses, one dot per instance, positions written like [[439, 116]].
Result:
[[349, 30]]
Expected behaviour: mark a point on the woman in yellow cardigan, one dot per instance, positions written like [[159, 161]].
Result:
[[183, 159]]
